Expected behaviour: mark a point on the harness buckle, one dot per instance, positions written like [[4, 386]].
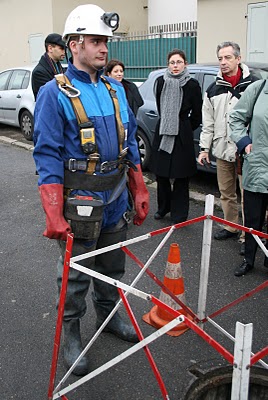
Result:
[[127, 217], [123, 153], [103, 167], [94, 157], [71, 162], [69, 91], [108, 166], [113, 93]]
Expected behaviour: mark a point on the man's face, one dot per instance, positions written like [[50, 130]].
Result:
[[228, 62], [56, 52], [91, 55]]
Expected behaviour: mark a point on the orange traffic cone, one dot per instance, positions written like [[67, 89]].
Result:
[[173, 280]]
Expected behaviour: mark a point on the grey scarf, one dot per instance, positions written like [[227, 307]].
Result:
[[170, 104]]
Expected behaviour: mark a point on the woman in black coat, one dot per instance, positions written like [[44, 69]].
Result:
[[179, 104], [115, 69]]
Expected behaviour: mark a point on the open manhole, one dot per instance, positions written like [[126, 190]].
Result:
[[216, 384]]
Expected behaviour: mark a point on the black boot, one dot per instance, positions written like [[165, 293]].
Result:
[[116, 325], [73, 347]]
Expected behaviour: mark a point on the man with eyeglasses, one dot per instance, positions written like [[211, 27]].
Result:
[[84, 162], [221, 96]]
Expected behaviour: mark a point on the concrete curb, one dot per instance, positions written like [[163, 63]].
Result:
[[193, 195], [16, 143]]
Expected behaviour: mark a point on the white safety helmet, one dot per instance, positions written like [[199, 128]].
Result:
[[89, 19]]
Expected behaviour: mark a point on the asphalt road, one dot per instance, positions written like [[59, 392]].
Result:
[[28, 293]]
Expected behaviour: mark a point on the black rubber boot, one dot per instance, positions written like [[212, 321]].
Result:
[[73, 347], [117, 326]]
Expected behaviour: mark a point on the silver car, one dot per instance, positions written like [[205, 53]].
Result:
[[17, 99]]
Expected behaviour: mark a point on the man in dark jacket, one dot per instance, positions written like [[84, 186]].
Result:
[[49, 64]]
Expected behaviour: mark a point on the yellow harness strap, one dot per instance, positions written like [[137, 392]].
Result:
[[67, 88], [79, 110], [119, 123], [81, 116]]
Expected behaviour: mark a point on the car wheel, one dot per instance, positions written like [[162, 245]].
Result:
[[27, 125], [144, 148]]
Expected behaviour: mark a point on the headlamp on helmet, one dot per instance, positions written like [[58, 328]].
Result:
[[111, 20]]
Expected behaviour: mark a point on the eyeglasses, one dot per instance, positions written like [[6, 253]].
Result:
[[176, 62]]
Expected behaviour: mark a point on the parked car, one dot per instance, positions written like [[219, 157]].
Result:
[[147, 116], [17, 99]]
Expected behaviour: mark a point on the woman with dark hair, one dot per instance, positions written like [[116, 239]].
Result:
[[115, 69], [179, 104]]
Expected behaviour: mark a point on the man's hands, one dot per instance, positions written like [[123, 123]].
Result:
[[139, 193], [248, 148], [203, 158], [52, 201]]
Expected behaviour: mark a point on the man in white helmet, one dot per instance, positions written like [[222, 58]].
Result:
[[85, 164]]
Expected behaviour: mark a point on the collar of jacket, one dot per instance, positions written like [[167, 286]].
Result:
[[74, 73], [246, 77], [44, 63]]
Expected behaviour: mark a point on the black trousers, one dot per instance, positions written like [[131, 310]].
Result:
[[255, 205], [173, 198]]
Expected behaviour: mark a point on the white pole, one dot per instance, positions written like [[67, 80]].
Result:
[[241, 367], [205, 257]]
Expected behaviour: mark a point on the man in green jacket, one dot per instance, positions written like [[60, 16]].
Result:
[[251, 110]]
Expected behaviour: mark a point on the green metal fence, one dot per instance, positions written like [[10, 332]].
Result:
[[143, 53]]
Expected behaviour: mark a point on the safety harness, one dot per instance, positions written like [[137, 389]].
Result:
[[87, 226], [87, 132]]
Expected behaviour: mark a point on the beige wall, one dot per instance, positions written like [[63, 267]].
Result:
[[219, 21], [19, 19], [133, 15], [177, 11]]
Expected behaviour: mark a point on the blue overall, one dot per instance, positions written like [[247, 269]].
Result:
[[57, 139]]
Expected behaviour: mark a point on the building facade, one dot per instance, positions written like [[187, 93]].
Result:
[[24, 25], [177, 11], [241, 21]]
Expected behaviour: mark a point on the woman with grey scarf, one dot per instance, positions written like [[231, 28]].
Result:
[[179, 104]]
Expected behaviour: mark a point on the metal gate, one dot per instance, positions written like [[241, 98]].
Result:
[[144, 52]]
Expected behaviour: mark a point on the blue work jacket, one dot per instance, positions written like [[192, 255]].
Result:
[[57, 138]]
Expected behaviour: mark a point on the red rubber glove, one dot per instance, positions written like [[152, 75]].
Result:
[[52, 201], [139, 193]]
